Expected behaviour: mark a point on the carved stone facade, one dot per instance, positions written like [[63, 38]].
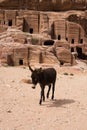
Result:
[[49, 24], [52, 26]]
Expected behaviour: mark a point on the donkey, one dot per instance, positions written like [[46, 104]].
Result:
[[44, 77]]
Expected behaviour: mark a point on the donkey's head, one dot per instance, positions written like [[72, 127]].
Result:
[[35, 75]]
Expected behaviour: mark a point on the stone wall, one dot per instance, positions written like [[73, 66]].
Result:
[[44, 23], [10, 17], [31, 23], [1, 17], [73, 32], [20, 55], [75, 35], [19, 22], [60, 29]]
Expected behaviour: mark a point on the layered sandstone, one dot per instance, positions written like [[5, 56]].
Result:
[[44, 5], [14, 50]]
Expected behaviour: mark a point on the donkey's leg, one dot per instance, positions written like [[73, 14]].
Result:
[[53, 89], [48, 91], [42, 97]]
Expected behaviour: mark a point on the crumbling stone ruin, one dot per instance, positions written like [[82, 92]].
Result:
[[66, 29]]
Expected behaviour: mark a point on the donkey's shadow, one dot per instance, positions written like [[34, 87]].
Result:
[[60, 102]]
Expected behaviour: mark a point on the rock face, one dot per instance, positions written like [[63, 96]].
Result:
[[66, 29], [15, 51], [80, 20], [63, 55], [43, 5]]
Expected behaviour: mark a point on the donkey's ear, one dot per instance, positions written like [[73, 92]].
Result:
[[30, 68], [40, 69]]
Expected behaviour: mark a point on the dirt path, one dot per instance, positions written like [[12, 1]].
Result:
[[19, 108]]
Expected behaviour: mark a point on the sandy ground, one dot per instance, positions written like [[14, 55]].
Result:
[[19, 103]]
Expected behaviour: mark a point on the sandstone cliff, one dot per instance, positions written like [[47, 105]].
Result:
[[14, 50], [45, 5]]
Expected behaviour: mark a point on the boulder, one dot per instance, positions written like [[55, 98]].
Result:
[[49, 58], [64, 55]]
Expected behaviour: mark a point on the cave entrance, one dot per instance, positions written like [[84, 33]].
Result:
[[72, 49], [59, 37], [10, 61], [72, 41], [48, 42], [81, 41], [20, 61], [80, 54], [66, 39], [10, 22], [31, 30]]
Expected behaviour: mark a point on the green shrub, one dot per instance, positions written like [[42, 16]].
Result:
[[66, 73], [72, 74], [34, 41]]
